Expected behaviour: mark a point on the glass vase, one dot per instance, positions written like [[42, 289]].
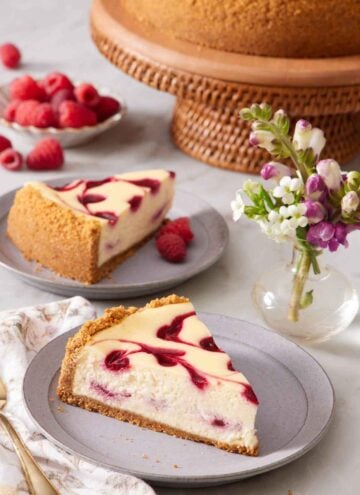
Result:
[[306, 307]]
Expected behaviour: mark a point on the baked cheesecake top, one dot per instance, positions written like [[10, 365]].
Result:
[[106, 199], [170, 336]]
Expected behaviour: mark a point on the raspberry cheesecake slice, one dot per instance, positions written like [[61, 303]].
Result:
[[84, 229], [160, 368]]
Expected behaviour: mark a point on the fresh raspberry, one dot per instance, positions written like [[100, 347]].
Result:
[[107, 107], [55, 81], [181, 227], [87, 95], [43, 116], [73, 114], [46, 155], [10, 55], [60, 96], [24, 114], [10, 110], [25, 88], [171, 247], [11, 159], [5, 143]]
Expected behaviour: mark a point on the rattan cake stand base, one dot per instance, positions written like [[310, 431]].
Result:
[[212, 86]]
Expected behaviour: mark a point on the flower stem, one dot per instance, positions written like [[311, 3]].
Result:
[[302, 272], [287, 145]]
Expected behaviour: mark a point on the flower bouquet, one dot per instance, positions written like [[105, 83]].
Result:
[[313, 204]]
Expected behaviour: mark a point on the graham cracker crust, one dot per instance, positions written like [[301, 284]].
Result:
[[59, 239], [113, 316]]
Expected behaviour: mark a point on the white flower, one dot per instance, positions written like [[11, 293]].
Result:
[[317, 141], [237, 206], [287, 186], [274, 216], [306, 137], [329, 170], [281, 225], [350, 202]]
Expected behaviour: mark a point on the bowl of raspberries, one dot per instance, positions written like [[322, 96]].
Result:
[[57, 107]]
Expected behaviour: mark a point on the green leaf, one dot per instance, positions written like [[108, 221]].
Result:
[[266, 111], [246, 114], [307, 299]]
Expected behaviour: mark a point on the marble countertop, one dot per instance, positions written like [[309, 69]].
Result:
[[55, 35]]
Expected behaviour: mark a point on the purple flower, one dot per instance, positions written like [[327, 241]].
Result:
[[328, 235], [315, 211], [274, 170], [315, 187], [263, 139]]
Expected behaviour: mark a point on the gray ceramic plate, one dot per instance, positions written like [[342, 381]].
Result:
[[296, 405], [144, 273]]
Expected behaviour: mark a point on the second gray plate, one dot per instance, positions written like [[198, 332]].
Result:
[[296, 406], [144, 273]]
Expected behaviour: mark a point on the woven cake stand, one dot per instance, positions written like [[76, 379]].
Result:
[[211, 87]]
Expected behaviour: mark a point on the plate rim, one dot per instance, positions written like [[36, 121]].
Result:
[[134, 290], [178, 480]]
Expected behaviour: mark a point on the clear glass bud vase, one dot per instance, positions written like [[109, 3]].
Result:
[[306, 307]]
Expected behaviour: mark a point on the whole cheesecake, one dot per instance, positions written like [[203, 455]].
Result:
[[278, 28]]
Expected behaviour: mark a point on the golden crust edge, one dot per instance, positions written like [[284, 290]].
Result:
[[138, 420], [94, 273]]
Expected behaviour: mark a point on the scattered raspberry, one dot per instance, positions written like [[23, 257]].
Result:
[[10, 55], [25, 88], [24, 114], [11, 159], [10, 110], [44, 116], [56, 81], [181, 227], [107, 107], [46, 155], [5, 143], [171, 247], [73, 114], [87, 95], [60, 96]]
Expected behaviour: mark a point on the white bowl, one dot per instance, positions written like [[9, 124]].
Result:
[[68, 136]]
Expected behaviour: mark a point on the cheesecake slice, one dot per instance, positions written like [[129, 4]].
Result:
[[85, 229], [159, 367]]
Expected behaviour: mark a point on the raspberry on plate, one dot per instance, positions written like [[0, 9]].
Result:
[[11, 159], [5, 143], [46, 155], [24, 114], [74, 115], [107, 107], [10, 55], [171, 247], [10, 110], [87, 95], [55, 81], [25, 88], [60, 96], [44, 116], [181, 227]]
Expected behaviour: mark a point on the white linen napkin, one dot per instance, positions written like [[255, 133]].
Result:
[[22, 334]]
